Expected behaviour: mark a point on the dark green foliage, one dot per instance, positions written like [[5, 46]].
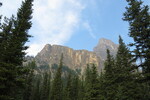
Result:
[[71, 91], [81, 94], [28, 93], [94, 84], [57, 83], [28, 86], [109, 81], [119, 82], [65, 69], [125, 79], [87, 83], [138, 17], [120, 79], [36, 95], [45, 89], [91, 84], [13, 36], [75, 88], [123, 57], [101, 86], [68, 90]]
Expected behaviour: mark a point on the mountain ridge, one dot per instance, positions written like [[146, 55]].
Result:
[[76, 59]]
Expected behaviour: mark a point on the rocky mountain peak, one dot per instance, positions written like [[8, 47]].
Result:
[[103, 45], [74, 59], [47, 47], [107, 44]]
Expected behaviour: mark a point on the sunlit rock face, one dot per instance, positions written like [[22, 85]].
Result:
[[74, 59]]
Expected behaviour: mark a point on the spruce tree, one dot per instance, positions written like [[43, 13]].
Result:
[[87, 83], [138, 17], [45, 91], [29, 86], [94, 83], [56, 93], [124, 58], [127, 86], [29, 82], [91, 84], [75, 88], [82, 90], [37, 88], [101, 86], [68, 89], [108, 83], [13, 36]]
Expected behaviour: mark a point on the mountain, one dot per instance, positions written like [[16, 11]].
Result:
[[102, 46], [75, 59]]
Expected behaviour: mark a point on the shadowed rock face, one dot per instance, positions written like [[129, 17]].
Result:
[[76, 59], [103, 45]]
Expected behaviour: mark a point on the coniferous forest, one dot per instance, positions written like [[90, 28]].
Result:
[[120, 79]]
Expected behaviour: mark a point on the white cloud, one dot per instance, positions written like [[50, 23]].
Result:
[[89, 28], [34, 48], [54, 22], [9, 7]]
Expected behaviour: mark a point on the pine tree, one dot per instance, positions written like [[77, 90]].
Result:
[[94, 83], [45, 91], [108, 83], [68, 89], [82, 90], [7, 75], [37, 88], [138, 17], [101, 86], [29, 82], [124, 58], [49, 85], [29, 86], [87, 83], [75, 88], [13, 36], [91, 84], [56, 93], [125, 79]]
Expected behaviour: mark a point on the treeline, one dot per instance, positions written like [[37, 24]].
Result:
[[120, 79]]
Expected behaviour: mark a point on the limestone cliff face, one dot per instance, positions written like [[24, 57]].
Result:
[[74, 59], [103, 45]]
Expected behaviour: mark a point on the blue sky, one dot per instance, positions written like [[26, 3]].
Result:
[[78, 24]]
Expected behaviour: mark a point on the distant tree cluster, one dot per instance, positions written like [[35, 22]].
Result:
[[120, 79]]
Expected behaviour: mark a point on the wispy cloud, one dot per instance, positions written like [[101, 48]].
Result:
[[54, 22], [9, 7], [89, 29]]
